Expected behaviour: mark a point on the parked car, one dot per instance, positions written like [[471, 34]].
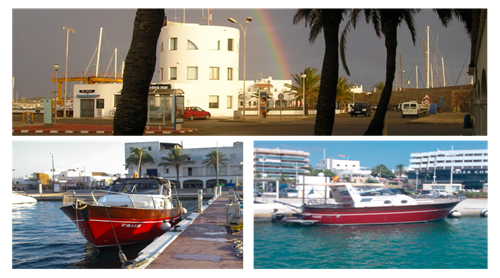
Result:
[[194, 112], [429, 193], [410, 191], [289, 193], [361, 108], [256, 193], [443, 193]]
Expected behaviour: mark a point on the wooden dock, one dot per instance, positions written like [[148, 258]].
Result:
[[202, 241]]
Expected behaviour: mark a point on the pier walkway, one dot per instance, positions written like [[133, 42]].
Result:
[[202, 241]]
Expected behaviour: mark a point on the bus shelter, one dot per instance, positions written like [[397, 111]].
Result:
[[163, 101]]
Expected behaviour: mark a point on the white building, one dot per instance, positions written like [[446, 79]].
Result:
[[195, 175], [202, 61], [346, 169], [274, 163], [468, 168]]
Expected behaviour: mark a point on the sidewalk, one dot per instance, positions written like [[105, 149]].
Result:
[[86, 126]]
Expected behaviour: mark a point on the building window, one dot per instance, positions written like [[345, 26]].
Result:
[[190, 172], [216, 46], [161, 46], [173, 73], [161, 74], [192, 46], [229, 73], [214, 73], [173, 44], [230, 44], [165, 171], [213, 101], [192, 73], [229, 102]]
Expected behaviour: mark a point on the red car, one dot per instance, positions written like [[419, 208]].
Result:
[[194, 112]]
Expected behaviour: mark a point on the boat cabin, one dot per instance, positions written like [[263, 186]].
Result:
[[139, 193], [346, 195]]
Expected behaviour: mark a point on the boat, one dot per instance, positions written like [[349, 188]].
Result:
[[347, 205], [19, 197], [132, 210]]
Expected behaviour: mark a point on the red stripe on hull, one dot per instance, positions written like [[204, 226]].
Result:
[[377, 215], [129, 224]]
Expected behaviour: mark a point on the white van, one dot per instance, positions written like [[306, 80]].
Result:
[[413, 108]]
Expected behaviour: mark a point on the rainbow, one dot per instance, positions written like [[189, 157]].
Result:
[[279, 62]]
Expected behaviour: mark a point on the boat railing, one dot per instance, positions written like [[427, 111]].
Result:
[[69, 198]]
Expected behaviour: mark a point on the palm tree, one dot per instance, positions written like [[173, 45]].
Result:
[[378, 87], [138, 157], [400, 169], [343, 90], [310, 85], [175, 158], [131, 112], [215, 159], [386, 22], [328, 21]]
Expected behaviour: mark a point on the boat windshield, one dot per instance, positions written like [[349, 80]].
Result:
[[136, 186], [378, 192]]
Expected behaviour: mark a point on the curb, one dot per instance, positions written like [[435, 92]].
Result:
[[99, 132]]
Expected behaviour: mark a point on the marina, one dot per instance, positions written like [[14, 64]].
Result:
[[41, 242]]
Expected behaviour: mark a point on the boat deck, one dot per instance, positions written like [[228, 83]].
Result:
[[204, 244]]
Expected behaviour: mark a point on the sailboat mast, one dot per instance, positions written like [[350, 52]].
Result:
[[427, 59], [98, 54]]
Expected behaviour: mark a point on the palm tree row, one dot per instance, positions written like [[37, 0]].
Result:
[[175, 157], [385, 22]]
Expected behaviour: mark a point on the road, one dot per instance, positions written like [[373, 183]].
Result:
[[344, 125], [304, 126]]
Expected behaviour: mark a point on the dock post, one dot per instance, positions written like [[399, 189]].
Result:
[[200, 200]]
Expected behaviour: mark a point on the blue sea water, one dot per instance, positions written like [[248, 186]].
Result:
[[458, 243], [44, 238]]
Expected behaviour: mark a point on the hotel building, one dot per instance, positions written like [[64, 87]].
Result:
[[466, 167], [193, 175]]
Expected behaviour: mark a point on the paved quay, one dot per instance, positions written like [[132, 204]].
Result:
[[104, 126], [264, 208], [202, 241]]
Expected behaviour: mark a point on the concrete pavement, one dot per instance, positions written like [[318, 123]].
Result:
[[104, 126]]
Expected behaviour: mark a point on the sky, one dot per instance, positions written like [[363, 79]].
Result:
[[96, 155], [275, 46], [370, 153]]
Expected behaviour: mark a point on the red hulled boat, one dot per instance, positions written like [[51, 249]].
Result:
[[133, 210], [348, 206]]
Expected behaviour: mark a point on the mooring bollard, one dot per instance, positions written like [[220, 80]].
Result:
[[200, 200]]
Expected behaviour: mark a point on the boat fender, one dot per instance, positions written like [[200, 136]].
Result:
[[165, 226], [454, 214], [484, 213], [278, 216], [184, 211]]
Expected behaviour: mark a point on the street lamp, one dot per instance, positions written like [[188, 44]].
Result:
[[244, 30], [304, 94], [67, 29], [54, 113]]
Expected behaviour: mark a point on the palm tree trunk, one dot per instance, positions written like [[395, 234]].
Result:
[[376, 126], [131, 112], [325, 117]]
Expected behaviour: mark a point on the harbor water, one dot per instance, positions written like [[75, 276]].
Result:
[[452, 243], [43, 237]]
